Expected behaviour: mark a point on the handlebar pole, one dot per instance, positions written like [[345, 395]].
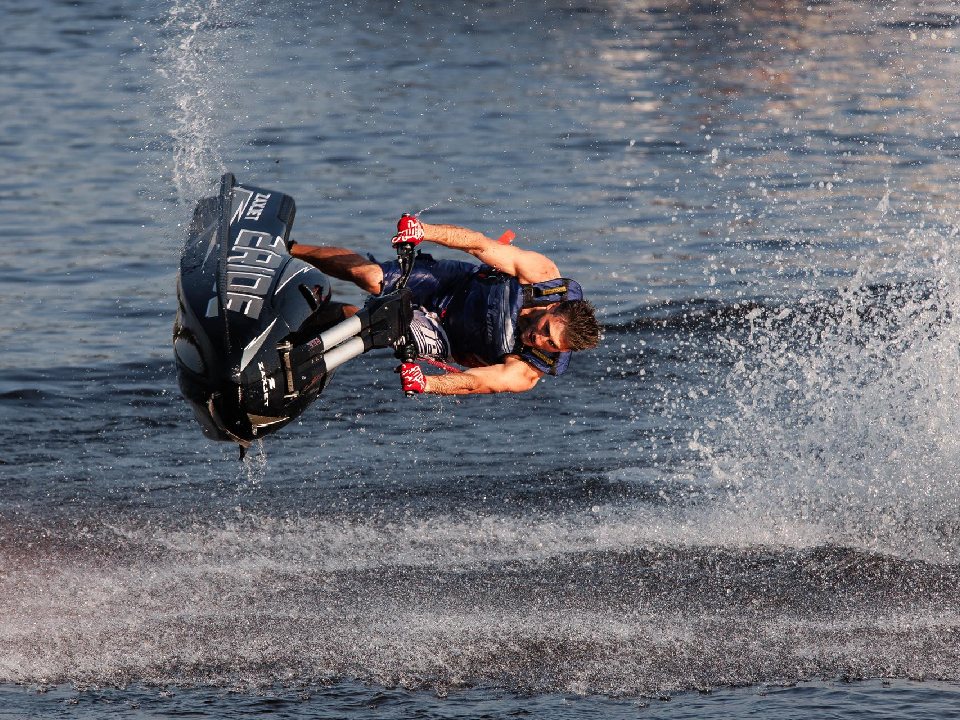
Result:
[[406, 254]]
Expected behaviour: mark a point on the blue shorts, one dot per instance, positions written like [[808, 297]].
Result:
[[433, 284]]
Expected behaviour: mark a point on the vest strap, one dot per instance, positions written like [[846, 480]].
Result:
[[551, 291]]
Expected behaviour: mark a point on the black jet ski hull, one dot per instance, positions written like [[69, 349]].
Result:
[[240, 296], [257, 338]]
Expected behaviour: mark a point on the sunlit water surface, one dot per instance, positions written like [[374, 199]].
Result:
[[746, 500]]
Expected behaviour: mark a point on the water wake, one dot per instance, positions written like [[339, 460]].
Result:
[[564, 604]]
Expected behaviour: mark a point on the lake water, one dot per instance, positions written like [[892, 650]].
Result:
[[745, 503]]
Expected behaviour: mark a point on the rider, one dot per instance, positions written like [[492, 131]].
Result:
[[512, 320]]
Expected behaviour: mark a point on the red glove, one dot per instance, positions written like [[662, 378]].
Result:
[[409, 230], [411, 377]]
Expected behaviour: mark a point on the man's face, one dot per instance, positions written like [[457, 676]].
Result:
[[546, 331]]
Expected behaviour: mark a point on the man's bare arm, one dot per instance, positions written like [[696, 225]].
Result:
[[525, 265], [513, 375]]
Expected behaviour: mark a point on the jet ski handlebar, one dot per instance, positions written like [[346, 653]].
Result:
[[409, 235]]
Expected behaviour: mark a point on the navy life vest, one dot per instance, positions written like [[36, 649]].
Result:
[[481, 318]]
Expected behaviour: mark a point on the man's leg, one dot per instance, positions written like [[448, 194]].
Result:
[[342, 264]]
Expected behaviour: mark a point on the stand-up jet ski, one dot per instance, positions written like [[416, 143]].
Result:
[[257, 337]]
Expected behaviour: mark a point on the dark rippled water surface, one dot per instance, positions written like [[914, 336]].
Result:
[[745, 503]]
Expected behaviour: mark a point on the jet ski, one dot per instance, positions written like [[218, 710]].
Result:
[[257, 337]]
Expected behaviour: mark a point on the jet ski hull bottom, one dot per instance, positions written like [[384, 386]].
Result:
[[257, 337]]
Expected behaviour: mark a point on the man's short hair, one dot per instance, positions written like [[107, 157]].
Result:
[[582, 331]]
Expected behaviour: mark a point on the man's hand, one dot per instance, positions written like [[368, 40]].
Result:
[[409, 230], [411, 377]]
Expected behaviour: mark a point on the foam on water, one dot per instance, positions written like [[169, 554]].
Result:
[[563, 603]]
